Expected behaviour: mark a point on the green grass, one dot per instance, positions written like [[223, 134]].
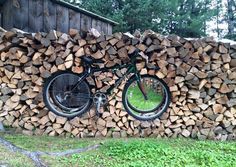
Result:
[[136, 98], [158, 152], [8, 158], [48, 143], [131, 152]]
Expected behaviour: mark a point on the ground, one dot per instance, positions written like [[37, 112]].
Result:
[[123, 152]]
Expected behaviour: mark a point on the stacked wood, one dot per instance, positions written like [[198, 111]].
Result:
[[201, 74]]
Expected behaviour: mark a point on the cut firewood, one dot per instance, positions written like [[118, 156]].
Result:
[[200, 74], [80, 52]]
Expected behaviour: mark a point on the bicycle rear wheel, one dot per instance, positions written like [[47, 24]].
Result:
[[61, 100], [153, 105]]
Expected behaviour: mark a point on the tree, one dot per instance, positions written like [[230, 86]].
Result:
[[182, 17], [187, 17], [219, 19], [74, 1], [131, 14], [112, 9], [231, 19]]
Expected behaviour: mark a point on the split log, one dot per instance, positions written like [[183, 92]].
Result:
[[199, 72]]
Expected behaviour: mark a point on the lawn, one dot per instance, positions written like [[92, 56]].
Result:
[[14, 160], [137, 100], [136, 152]]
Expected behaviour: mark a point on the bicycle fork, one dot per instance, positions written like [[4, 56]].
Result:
[[141, 86]]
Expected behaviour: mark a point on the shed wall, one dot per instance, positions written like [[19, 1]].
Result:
[[44, 15]]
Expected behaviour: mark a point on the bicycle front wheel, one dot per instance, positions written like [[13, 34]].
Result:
[[59, 97], [146, 99]]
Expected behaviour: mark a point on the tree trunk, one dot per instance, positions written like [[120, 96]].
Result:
[[217, 18], [230, 17]]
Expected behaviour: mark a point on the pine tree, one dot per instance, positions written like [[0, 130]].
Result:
[[231, 19], [182, 17], [112, 9], [218, 10]]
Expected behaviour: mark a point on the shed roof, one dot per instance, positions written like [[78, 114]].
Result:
[[81, 10], [78, 9]]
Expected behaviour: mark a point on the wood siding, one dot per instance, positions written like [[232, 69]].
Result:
[[7, 16], [36, 15], [44, 15], [21, 15]]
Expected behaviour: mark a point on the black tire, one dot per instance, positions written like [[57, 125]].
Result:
[[59, 101], [157, 108]]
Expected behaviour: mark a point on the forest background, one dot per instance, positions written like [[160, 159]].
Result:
[[186, 18]]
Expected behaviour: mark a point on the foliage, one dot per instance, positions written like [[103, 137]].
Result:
[[136, 98], [182, 17], [157, 152], [231, 19], [127, 152], [187, 18], [231, 36], [48, 143], [8, 158], [180, 152]]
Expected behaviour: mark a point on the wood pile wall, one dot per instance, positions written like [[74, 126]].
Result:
[[201, 75]]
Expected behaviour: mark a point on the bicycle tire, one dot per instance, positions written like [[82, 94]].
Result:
[[153, 113], [55, 103]]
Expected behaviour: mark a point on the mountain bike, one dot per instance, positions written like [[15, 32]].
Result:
[[145, 97]]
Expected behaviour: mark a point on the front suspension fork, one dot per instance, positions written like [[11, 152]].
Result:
[[141, 86]]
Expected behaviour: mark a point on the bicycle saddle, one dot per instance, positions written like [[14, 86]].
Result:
[[87, 60], [90, 60]]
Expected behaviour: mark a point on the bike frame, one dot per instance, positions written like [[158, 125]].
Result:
[[131, 68]]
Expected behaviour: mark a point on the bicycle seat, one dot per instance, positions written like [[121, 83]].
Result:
[[90, 60], [87, 60]]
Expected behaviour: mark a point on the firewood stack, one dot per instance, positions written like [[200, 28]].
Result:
[[201, 75]]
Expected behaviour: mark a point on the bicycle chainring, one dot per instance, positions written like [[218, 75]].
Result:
[[100, 98]]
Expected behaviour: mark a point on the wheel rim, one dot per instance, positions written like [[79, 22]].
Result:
[[62, 100], [157, 95]]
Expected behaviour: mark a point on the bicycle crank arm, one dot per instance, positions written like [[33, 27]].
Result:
[[97, 109]]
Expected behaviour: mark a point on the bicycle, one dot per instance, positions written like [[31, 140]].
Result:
[[145, 97]]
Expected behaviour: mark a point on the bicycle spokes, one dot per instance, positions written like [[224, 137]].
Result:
[[145, 97], [60, 98], [142, 89]]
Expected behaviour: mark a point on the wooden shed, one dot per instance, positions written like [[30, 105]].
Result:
[[45, 15]]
